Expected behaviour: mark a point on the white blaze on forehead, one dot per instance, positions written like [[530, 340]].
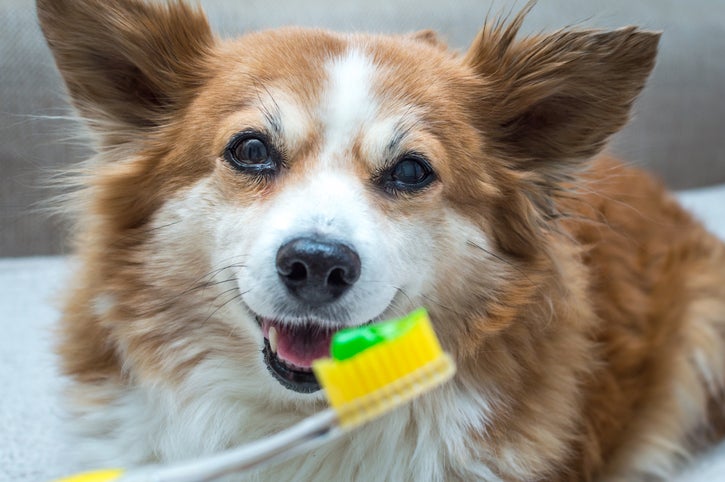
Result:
[[328, 202], [347, 102]]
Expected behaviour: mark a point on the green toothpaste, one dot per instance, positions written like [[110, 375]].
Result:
[[349, 342]]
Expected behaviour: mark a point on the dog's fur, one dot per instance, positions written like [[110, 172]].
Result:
[[584, 307]]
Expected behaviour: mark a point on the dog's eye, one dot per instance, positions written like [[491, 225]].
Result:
[[251, 153], [410, 173]]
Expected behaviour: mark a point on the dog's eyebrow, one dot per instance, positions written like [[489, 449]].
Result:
[[395, 140], [400, 132], [274, 120], [272, 115]]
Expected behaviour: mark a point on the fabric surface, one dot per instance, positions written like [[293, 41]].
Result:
[[31, 437], [676, 130], [32, 441]]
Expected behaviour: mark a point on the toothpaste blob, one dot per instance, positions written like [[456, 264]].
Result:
[[348, 342]]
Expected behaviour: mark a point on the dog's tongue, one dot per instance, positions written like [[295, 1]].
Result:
[[300, 345]]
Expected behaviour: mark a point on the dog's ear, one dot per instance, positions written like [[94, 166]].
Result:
[[551, 101], [128, 64], [546, 103]]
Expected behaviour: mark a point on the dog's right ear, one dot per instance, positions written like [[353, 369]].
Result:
[[128, 64]]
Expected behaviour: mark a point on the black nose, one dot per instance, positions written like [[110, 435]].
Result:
[[317, 271]]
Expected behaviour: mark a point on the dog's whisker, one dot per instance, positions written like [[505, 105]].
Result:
[[221, 294], [198, 283], [438, 304], [236, 296], [208, 284], [141, 234], [507, 262]]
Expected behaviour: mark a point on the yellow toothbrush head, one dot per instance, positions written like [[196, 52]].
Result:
[[376, 368]]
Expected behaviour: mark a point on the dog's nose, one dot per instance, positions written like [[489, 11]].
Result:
[[317, 271]]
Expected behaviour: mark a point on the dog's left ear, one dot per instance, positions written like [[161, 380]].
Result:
[[551, 101], [128, 64]]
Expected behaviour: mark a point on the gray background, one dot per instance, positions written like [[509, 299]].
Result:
[[678, 130]]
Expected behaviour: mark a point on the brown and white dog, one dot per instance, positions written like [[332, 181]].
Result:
[[292, 182]]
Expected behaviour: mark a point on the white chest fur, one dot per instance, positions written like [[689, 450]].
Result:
[[427, 440]]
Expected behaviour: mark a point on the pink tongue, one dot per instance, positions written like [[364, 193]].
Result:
[[300, 345]]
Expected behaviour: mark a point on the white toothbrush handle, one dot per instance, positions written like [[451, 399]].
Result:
[[300, 438]]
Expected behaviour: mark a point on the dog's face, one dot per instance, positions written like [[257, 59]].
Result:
[[308, 181], [328, 192]]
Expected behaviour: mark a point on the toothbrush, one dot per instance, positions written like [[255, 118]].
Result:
[[372, 370]]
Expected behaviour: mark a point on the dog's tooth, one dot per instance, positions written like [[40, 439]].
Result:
[[273, 339]]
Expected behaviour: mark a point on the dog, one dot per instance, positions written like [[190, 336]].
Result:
[[250, 197]]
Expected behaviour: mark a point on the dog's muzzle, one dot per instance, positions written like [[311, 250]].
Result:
[[315, 272]]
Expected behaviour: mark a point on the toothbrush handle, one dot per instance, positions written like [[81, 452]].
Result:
[[300, 438]]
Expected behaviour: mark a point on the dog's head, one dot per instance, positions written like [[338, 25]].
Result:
[[308, 180]]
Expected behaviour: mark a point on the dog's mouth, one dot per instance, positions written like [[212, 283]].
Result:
[[290, 349]]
